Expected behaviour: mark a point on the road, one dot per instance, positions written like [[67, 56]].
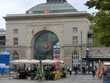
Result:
[[69, 79]]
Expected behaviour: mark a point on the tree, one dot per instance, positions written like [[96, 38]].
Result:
[[99, 4], [101, 28], [101, 22]]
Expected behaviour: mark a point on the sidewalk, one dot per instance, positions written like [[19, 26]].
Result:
[[7, 76], [69, 79], [4, 76]]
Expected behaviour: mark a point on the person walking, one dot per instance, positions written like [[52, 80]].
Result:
[[93, 72], [99, 70], [70, 71]]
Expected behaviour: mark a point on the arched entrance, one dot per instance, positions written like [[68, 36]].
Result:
[[46, 45]]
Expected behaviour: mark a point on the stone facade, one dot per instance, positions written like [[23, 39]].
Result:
[[61, 24]]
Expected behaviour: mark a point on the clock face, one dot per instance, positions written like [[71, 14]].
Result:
[[43, 44]]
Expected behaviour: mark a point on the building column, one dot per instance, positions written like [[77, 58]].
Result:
[[29, 53]]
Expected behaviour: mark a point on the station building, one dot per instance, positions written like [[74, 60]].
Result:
[[54, 29]]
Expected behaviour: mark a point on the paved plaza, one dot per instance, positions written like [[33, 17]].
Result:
[[69, 79]]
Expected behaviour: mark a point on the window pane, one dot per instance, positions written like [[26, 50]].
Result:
[[15, 41], [15, 31], [75, 29], [75, 40]]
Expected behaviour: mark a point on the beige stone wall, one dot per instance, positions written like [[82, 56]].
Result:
[[62, 27], [82, 24]]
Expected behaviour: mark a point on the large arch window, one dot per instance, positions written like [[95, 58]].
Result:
[[44, 43]]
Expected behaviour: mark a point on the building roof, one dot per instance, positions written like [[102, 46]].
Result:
[[51, 8], [51, 15]]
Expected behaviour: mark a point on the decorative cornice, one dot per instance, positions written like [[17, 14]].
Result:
[[51, 15]]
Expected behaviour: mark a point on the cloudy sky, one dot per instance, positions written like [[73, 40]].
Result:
[[20, 6]]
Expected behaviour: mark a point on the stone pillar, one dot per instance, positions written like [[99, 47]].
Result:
[[29, 53]]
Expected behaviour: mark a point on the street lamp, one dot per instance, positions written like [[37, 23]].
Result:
[[41, 68], [87, 54], [81, 42], [87, 58]]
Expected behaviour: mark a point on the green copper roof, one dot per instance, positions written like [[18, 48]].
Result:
[[51, 8]]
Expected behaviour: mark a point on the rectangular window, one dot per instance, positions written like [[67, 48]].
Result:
[[75, 29], [2, 40], [15, 31], [75, 40], [15, 41]]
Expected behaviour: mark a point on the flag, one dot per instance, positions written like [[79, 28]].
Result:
[[45, 10]]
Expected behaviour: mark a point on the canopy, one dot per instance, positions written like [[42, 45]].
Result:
[[106, 63], [33, 61], [58, 61], [23, 61], [48, 61]]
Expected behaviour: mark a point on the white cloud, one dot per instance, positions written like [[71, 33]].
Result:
[[15, 6]]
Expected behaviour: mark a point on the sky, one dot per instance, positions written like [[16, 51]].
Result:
[[21, 6]]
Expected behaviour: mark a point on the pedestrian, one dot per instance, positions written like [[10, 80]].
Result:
[[70, 71], [99, 71], [83, 70], [75, 70], [93, 72]]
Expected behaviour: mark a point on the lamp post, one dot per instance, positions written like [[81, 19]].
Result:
[[81, 49], [40, 69], [87, 53], [87, 58], [72, 60]]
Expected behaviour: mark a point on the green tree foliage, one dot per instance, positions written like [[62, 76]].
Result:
[[99, 4], [101, 22], [101, 28]]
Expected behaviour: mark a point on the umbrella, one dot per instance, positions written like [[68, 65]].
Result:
[[57, 61], [106, 63], [23, 61], [47, 61], [34, 61]]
